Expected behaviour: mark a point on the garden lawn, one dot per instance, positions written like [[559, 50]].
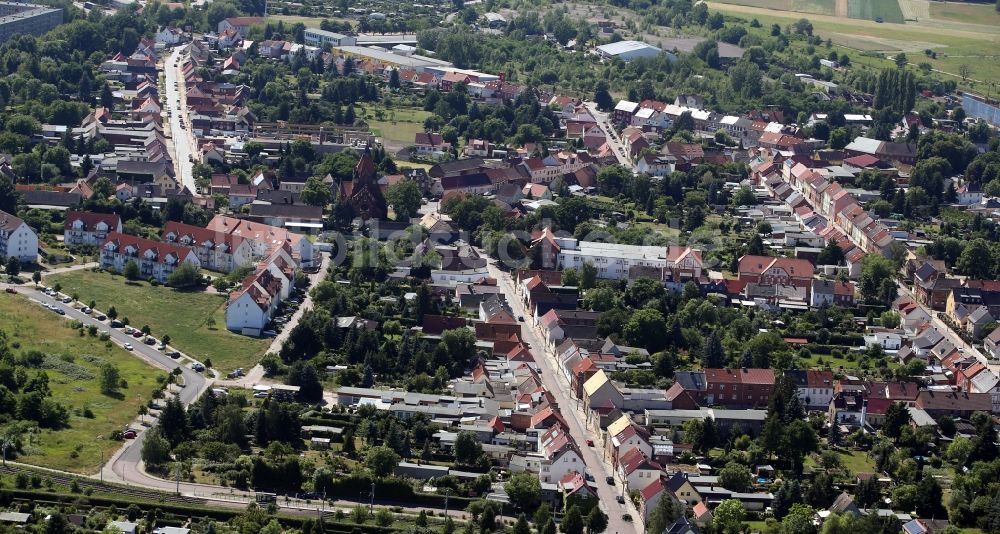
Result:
[[396, 124], [32, 327], [183, 315]]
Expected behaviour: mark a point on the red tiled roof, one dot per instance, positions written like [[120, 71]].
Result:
[[739, 376], [90, 219]]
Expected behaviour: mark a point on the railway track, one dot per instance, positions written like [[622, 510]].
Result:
[[98, 486]]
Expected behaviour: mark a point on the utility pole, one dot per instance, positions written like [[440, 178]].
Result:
[[177, 476], [371, 501]]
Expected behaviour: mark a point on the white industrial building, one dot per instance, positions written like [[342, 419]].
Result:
[[612, 260], [627, 50], [317, 37]]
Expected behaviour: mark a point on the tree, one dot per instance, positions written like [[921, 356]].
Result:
[[648, 329], [315, 192], [155, 448], [112, 313], [868, 492], [110, 379], [405, 198], [13, 266], [984, 446], [701, 434], [901, 60], [588, 276], [735, 477], [185, 275], [522, 526], [667, 511], [597, 522], [896, 417], [304, 375], [36, 277], [381, 460], [832, 254], [467, 449], [714, 356], [728, 517], [976, 260], [524, 490], [929, 497], [602, 96], [799, 520], [131, 270], [572, 522], [541, 517], [9, 195]]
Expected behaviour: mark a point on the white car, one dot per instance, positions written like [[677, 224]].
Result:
[[128, 346]]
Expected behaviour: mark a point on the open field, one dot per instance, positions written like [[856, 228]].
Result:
[[181, 314], [35, 328], [396, 125], [887, 10], [969, 13], [309, 22], [956, 43], [856, 9]]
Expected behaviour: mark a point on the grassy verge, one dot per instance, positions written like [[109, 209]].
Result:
[[182, 315], [78, 447], [397, 124]]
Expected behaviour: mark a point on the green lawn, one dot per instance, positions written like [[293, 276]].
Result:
[[182, 315], [398, 124], [31, 327]]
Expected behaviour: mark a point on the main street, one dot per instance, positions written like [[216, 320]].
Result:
[[621, 153], [550, 377], [176, 106]]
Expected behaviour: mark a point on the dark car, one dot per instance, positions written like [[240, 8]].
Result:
[[174, 354], [115, 323], [101, 317], [11, 290], [610, 480]]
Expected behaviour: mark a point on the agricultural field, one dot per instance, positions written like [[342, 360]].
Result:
[[885, 10], [184, 315], [968, 13], [956, 44], [72, 364]]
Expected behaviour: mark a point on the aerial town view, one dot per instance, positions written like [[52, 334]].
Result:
[[500, 267]]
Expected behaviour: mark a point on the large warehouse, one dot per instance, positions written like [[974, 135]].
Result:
[[627, 50]]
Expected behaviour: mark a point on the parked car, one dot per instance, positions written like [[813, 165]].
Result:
[[174, 354], [149, 341], [620, 499], [610, 480], [590, 443], [128, 346], [86, 309], [115, 323], [59, 310], [67, 300], [11, 290], [197, 367], [129, 434], [100, 317]]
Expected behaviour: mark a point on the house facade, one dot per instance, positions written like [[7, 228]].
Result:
[[155, 260], [86, 228], [17, 239]]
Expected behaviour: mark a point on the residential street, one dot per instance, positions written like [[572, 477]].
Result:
[[182, 140], [940, 326], [609, 131], [553, 382]]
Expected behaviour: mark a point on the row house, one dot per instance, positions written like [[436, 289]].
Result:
[[560, 455], [768, 270], [155, 259], [739, 387], [251, 308], [217, 251], [87, 228], [265, 238]]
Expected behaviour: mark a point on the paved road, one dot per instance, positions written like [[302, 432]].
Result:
[[950, 334], [256, 374], [183, 140], [609, 131], [123, 466], [553, 381]]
